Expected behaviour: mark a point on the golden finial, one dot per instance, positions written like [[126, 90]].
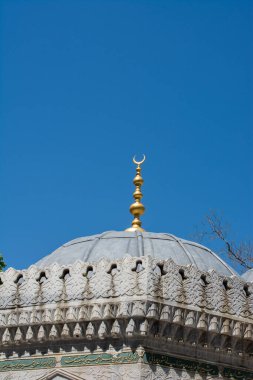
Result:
[[137, 209]]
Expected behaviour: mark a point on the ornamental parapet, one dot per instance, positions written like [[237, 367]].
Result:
[[162, 280], [142, 301]]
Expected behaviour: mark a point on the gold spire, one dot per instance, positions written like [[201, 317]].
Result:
[[137, 209]]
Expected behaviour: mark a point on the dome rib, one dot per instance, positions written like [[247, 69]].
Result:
[[96, 241], [222, 261], [114, 245], [178, 240], [140, 244]]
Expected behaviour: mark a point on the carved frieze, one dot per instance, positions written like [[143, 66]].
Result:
[[154, 302]]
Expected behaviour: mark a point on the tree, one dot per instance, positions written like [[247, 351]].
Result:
[[239, 252], [2, 263]]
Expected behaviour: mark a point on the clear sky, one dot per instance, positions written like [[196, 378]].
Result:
[[85, 85]]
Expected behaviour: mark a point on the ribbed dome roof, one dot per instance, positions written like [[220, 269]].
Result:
[[114, 245]]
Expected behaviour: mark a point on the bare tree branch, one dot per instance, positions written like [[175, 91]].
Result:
[[241, 253]]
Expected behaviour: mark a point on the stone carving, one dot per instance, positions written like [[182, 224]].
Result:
[[162, 280], [140, 298], [236, 296], [25, 375], [52, 290], [28, 292], [215, 293], [124, 365], [75, 283], [172, 283], [123, 372], [193, 287], [8, 288]]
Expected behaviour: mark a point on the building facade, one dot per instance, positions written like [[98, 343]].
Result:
[[127, 305]]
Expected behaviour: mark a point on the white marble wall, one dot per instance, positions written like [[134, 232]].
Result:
[[110, 372]]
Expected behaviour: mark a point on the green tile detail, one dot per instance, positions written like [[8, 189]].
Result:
[[99, 359], [167, 361], [236, 374], [25, 364], [123, 358]]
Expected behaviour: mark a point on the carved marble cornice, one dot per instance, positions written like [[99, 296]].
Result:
[[135, 300], [162, 280]]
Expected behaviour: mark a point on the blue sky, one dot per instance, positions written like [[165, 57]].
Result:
[[85, 85]]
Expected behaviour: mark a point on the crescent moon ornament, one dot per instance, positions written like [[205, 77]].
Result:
[[139, 162], [137, 209]]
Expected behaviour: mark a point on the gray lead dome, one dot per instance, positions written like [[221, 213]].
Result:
[[248, 276], [115, 245]]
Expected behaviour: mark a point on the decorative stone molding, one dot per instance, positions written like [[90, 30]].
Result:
[[138, 317], [126, 303], [59, 374], [128, 277], [151, 365]]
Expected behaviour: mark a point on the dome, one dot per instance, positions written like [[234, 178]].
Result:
[[115, 245], [248, 276]]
